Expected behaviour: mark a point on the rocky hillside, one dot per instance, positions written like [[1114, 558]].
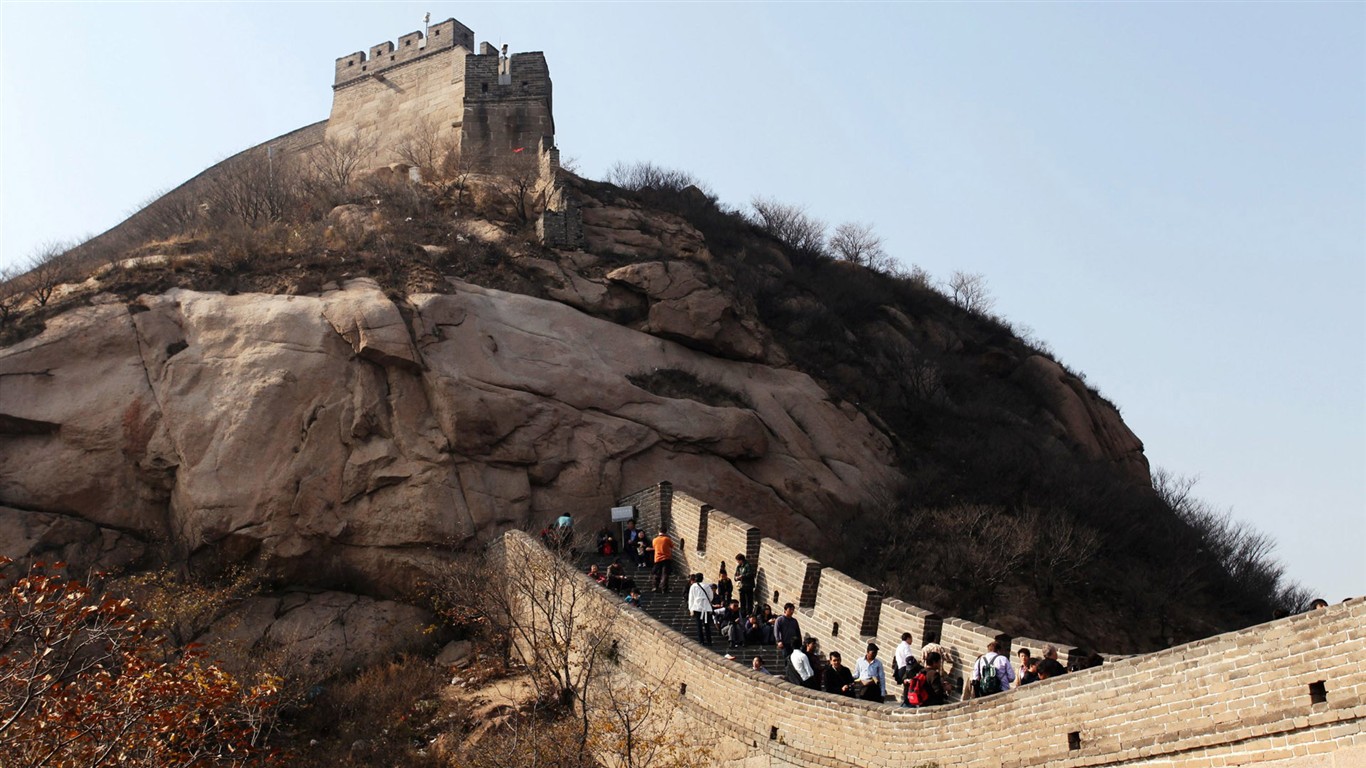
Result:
[[346, 399]]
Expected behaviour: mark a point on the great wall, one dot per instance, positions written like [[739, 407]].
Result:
[[1290, 693]]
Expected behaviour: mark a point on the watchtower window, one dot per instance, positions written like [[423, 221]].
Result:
[[350, 63], [436, 33], [407, 42], [484, 87], [391, 58], [1318, 692]]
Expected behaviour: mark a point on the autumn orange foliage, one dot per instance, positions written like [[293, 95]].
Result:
[[85, 681]]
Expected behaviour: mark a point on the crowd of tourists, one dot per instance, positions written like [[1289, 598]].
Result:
[[724, 610]]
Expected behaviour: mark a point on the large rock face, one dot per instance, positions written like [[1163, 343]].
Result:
[[1087, 421], [344, 441]]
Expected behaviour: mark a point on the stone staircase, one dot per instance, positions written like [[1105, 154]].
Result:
[[671, 609]]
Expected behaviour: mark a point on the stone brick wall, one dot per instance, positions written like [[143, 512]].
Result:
[[1290, 693], [561, 229], [727, 537], [506, 111], [898, 616], [965, 641], [493, 109], [651, 507], [412, 46], [689, 516], [382, 110], [845, 616]]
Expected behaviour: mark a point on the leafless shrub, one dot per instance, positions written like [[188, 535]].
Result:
[[969, 291], [256, 188], [50, 266], [637, 724], [435, 154], [1241, 550], [857, 243], [646, 175], [335, 164], [11, 293], [790, 224], [915, 275], [546, 614], [1060, 553], [166, 214], [519, 186]]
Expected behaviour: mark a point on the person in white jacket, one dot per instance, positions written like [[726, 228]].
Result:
[[699, 602]]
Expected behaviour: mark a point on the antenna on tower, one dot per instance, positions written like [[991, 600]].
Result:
[[426, 27]]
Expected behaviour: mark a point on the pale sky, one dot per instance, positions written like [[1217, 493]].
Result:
[[1173, 196]]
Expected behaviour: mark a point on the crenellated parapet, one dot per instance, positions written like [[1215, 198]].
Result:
[[843, 613], [1290, 693], [443, 37], [489, 108]]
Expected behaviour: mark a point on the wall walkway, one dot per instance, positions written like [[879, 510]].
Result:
[[1289, 693]]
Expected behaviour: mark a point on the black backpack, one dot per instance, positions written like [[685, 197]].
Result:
[[902, 674]]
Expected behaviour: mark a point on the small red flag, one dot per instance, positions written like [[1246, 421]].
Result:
[[519, 149]]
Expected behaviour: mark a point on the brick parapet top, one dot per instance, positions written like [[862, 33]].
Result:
[[443, 37], [896, 604], [1098, 702]]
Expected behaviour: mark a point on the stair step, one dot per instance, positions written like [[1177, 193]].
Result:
[[671, 609]]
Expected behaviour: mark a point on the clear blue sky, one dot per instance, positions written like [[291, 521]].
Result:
[[1173, 196]]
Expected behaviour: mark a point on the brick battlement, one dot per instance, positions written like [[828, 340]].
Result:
[[445, 36], [1290, 693], [489, 108]]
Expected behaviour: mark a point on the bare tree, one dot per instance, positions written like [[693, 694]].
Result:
[[915, 274], [256, 188], [428, 149], [519, 185], [637, 724], [336, 162], [11, 293], [790, 224], [48, 268], [551, 616], [1061, 551], [857, 243], [984, 548], [969, 291], [1243, 552]]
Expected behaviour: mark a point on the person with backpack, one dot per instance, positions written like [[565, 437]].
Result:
[[992, 673], [904, 653], [926, 687]]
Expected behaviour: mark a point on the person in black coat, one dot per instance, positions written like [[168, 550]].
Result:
[[838, 678]]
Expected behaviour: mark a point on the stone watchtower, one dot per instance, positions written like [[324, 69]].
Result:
[[493, 108]]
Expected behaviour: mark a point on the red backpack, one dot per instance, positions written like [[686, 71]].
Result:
[[918, 689]]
